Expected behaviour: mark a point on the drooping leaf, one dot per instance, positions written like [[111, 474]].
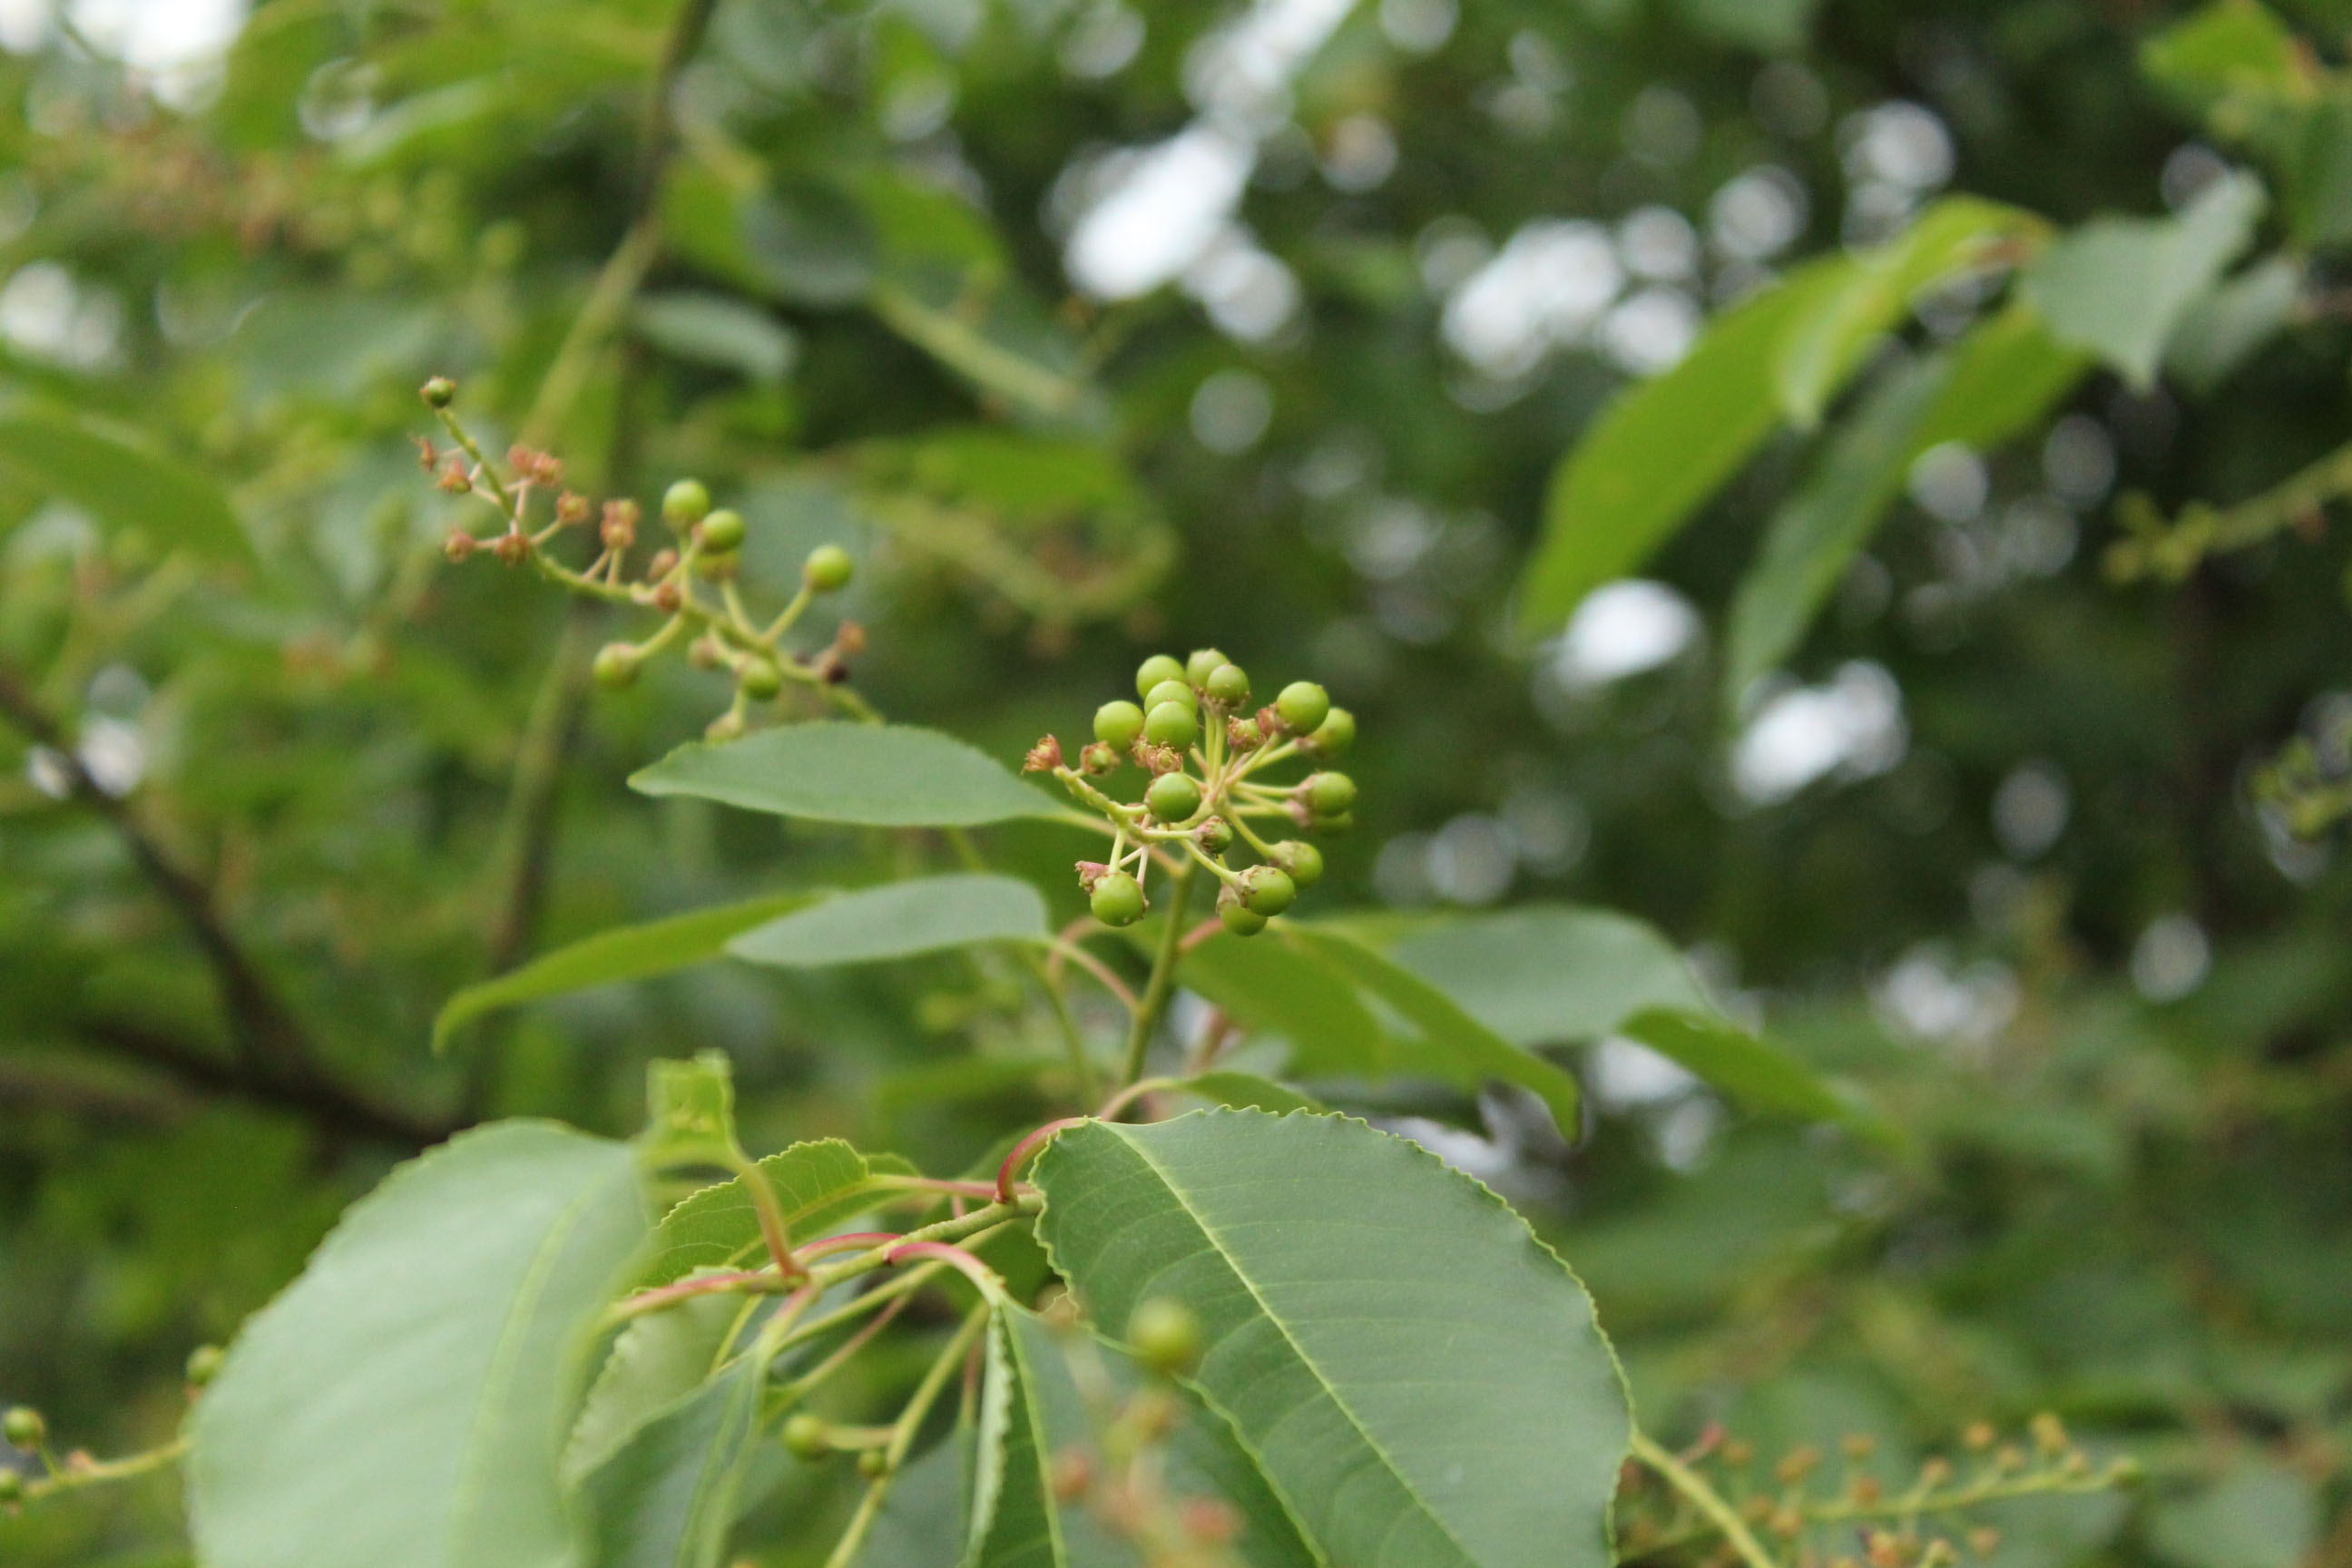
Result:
[[1331, 1268], [400, 1405], [2120, 286], [2233, 324], [873, 776], [1662, 448], [1754, 1072], [121, 479], [669, 1496], [898, 920], [2002, 377], [817, 1185], [1547, 974], [626, 952], [1268, 986], [657, 1359], [1828, 337]]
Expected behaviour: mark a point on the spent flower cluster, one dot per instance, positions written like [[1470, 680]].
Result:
[[1201, 749], [672, 581]]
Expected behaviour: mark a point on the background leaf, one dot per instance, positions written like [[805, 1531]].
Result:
[[401, 1403], [1331, 1267], [874, 775], [897, 919], [118, 476]]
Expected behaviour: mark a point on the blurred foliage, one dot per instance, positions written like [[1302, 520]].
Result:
[[276, 782]]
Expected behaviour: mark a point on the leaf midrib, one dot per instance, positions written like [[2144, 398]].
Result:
[[1322, 1380]]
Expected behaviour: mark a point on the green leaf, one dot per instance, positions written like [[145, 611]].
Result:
[[1032, 1410], [2118, 286], [400, 1405], [818, 1185], [921, 1524], [1332, 1269], [2233, 324], [690, 1114], [630, 952], [898, 920], [1829, 335], [1248, 1091], [2229, 49], [717, 330], [1548, 974], [873, 776], [1661, 447], [1754, 1072], [1269, 986], [2259, 1514], [669, 1497], [657, 1359], [1448, 1043], [121, 477]]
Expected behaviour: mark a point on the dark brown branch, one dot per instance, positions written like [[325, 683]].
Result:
[[332, 1107]]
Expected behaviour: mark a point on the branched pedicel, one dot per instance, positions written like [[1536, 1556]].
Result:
[[1202, 749], [717, 636]]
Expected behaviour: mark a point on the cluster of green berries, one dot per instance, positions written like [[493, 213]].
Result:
[[708, 549], [1193, 733]]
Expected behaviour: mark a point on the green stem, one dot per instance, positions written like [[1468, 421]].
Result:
[[1708, 1501], [902, 1438], [1163, 977], [99, 1472]]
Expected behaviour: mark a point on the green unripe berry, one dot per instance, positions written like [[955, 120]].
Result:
[[204, 1364], [1301, 859], [806, 1436], [24, 1428], [1160, 666], [873, 1464], [1239, 918], [1173, 798], [616, 665], [1335, 734], [1328, 793], [1171, 724], [1197, 669], [1303, 705], [1116, 900], [1227, 684], [828, 569], [759, 679], [1165, 1334], [1215, 836], [1174, 691], [1343, 823], [1117, 724], [686, 503], [1268, 889], [439, 392], [722, 531], [11, 1485]]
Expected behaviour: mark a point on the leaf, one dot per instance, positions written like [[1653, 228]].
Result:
[[2259, 1514], [2231, 47], [1450, 1044], [669, 1497], [873, 776], [658, 1358], [1548, 974], [1033, 1411], [1831, 333], [1754, 1072], [1247, 1090], [121, 479], [401, 1403], [1265, 984], [1661, 449], [629, 952], [921, 1524], [2233, 324], [717, 330], [898, 920], [2120, 286], [1420, 1378], [817, 1185], [690, 1114]]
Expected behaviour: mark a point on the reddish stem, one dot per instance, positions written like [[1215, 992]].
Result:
[[1022, 1150], [973, 1269], [848, 1241]]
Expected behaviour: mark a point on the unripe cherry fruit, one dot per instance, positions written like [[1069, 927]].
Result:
[[1268, 889], [1116, 900], [1160, 666], [806, 1436], [686, 503], [24, 1428], [1239, 918], [1203, 660], [1165, 1334], [1303, 705], [1301, 859], [1328, 793], [722, 531], [873, 1464], [759, 679], [1117, 724], [616, 665], [1174, 797], [1215, 836], [439, 392], [1227, 684], [204, 1364], [1335, 734], [1174, 691], [11, 1485], [827, 569], [1171, 724]]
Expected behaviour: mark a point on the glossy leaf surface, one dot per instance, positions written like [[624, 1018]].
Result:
[[874, 775], [899, 919]]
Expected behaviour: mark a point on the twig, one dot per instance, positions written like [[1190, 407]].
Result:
[[1708, 1501], [1164, 977]]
